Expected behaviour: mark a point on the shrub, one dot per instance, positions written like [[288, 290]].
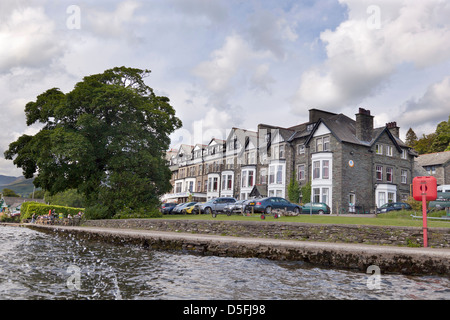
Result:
[[146, 212], [28, 208]]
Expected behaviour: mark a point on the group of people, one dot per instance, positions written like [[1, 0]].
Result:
[[53, 216]]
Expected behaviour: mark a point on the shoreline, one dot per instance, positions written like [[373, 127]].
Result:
[[350, 256]]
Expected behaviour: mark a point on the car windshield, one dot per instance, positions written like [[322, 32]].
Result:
[[386, 205]]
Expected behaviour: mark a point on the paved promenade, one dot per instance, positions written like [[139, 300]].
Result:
[[389, 259]]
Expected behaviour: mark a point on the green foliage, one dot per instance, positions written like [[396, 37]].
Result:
[[293, 189], [437, 141], [306, 192], [28, 208], [411, 138], [9, 193], [68, 198], [106, 138]]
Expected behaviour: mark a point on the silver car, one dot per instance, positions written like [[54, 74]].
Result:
[[215, 205]]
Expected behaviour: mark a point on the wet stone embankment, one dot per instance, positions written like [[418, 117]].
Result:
[[363, 234], [335, 246]]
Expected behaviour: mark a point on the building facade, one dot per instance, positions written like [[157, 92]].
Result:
[[350, 165]]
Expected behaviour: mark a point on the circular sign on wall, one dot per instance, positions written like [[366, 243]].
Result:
[[351, 163]]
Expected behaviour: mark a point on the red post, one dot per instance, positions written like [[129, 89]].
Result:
[[424, 218], [425, 189]]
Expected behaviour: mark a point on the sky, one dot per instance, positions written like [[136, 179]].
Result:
[[235, 63]]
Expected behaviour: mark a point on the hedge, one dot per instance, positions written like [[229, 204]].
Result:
[[28, 208]]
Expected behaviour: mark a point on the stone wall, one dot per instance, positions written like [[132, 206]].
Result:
[[395, 236]]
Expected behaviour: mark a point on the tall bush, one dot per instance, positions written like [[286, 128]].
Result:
[[28, 208]]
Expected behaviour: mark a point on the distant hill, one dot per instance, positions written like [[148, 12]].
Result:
[[7, 179], [19, 185]]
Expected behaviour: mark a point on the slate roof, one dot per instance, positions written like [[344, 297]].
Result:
[[432, 159]]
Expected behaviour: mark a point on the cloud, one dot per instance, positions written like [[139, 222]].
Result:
[[114, 23], [362, 56], [433, 107], [228, 65], [28, 39]]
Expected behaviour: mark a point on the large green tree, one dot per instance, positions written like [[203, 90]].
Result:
[[106, 138]]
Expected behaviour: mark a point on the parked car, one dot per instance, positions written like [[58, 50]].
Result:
[[316, 207], [236, 207], [393, 206], [265, 205], [215, 205], [190, 209], [179, 208], [166, 208]]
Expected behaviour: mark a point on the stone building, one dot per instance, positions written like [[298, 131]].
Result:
[[438, 165], [352, 166]]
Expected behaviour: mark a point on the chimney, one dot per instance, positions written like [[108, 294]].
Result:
[[394, 129], [364, 125]]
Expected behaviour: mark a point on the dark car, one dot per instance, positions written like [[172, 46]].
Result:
[[215, 205], [179, 208], [393, 206], [266, 205], [167, 208], [236, 207], [316, 207]]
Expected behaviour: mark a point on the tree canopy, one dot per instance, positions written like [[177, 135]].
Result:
[[437, 141], [106, 138]]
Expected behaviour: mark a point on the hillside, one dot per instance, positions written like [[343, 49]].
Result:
[[19, 185]]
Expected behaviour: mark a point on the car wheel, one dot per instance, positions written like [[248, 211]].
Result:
[[321, 212], [208, 211], [296, 210], [268, 210], [228, 213]]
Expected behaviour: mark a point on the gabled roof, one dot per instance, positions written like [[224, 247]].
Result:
[[432, 159], [344, 130], [16, 201]]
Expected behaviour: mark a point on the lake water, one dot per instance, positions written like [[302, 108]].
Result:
[[41, 266]]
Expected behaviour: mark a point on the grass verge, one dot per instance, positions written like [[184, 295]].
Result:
[[398, 218]]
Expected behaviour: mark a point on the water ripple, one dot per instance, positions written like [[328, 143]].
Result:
[[35, 265]]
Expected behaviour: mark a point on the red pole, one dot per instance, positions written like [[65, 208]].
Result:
[[424, 218]]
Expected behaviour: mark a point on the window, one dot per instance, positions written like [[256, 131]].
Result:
[[281, 152], [325, 192], [263, 176], [178, 187], [389, 175], [389, 151], [404, 154], [391, 197], [244, 179], [272, 174], [404, 176], [319, 144], [325, 169], [431, 169], [250, 178], [316, 195], [379, 149], [381, 198], [227, 182], [301, 149], [316, 169], [213, 184], [276, 174], [279, 174], [301, 172], [326, 143], [379, 171]]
